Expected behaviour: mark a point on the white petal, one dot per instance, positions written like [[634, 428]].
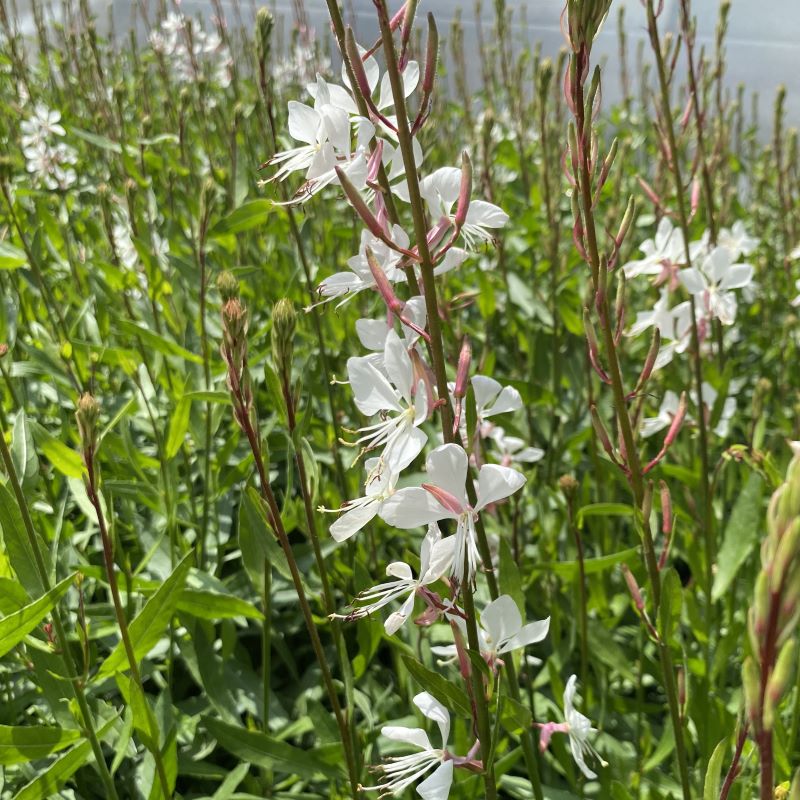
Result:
[[496, 483], [351, 522], [577, 754], [372, 391], [508, 400], [434, 711], [530, 634], [304, 122], [486, 214], [693, 280], [437, 785], [399, 569], [501, 618], [415, 736], [372, 333], [398, 365], [412, 507], [447, 469], [485, 389], [397, 619], [404, 449], [737, 276], [441, 560], [717, 263], [529, 455]]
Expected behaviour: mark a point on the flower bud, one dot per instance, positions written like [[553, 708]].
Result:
[[87, 414], [568, 485], [284, 324], [784, 556], [779, 681], [633, 588], [462, 373], [264, 24], [751, 683], [227, 285]]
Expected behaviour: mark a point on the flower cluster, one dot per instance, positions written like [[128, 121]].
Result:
[[50, 161], [192, 51], [349, 135]]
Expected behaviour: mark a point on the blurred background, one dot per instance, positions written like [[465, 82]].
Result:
[[763, 39]]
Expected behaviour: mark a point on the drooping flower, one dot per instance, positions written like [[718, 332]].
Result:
[[393, 392], [713, 282], [444, 496], [577, 727], [436, 557], [400, 772]]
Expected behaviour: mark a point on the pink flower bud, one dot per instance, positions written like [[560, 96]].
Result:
[[633, 588], [447, 500]]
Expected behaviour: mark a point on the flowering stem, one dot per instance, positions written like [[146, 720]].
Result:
[[437, 356], [58, 624], [733, 770], [599, 271], [119, 611], [706, 518]]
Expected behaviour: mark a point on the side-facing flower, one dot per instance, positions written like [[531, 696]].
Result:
[[392, 392], [660, 252], [577, 727], [512, 449], [436, 557], [444, 496], [399, 772]]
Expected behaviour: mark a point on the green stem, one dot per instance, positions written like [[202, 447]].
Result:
[[58, 624]]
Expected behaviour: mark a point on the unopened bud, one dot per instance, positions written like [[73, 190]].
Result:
[[627, 221], [633, 588], [462, 374], [464, 192], [284, 324], [568, 485], [779, 681], [545, 77], [751, 682], [227, 285], [785, 555], [87, 414], [265, 21]]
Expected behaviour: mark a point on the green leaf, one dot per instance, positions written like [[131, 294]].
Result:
[[23, 452], [11, 257], [144, 720], [103, 142], [148, 626], [264, 751], [711, 786], [514, 716], [178, 426], [664, 747], [29, 742], [742, 533], [257, 541], [603, 510], [17, 543], [247, 216], [569, 569], [205, 604], [15, 627], [510, 580], [445, 691], [48, 783], [159, 343], [63, 458]]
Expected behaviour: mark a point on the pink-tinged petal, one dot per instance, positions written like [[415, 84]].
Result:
[[496, 483], [737, 276], [437, 785], [351, 522], [413, 736], [693, 280], [509, 399], [531, 633], [412, 507], [447, 469], [501, 618], [434, 711], [398, 365], [373, 393], [304, 122], [487, 215]]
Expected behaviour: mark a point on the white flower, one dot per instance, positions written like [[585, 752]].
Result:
[[360, 277], [796, 301], [372, 333], [357, 513], [397, 392], [714, 281], [667, 412], [501, 630], [665, 247], [513, 449], [436, 557], [674, 324], [579, 729], [401, 771], [736, 240], [440, 191], [325, 130], [710, 395], [43, 123], [444, 496]]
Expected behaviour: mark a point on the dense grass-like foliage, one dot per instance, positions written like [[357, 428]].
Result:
[[175, 416]]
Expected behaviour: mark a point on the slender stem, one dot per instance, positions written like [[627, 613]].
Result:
[[733, 770], [266, 661], [119, 611], [584, 618], [66, 655]]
